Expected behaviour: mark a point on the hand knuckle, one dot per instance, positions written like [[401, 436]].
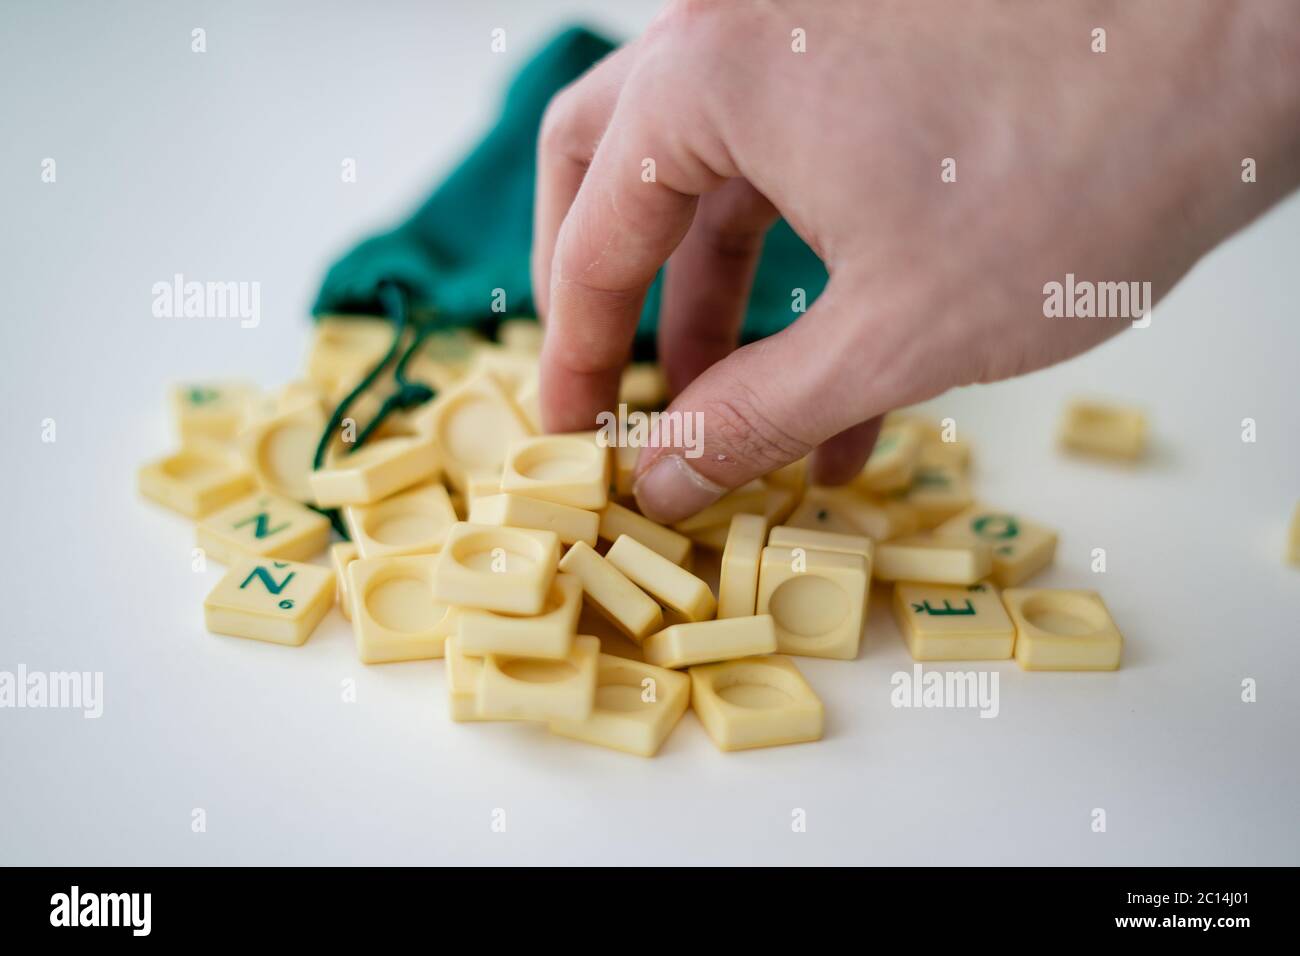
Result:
[[559, 129]]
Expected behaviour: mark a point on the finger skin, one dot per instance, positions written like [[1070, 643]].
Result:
[[574, 123], [937, 280], [708, 281], [634, 207], [764, 406]]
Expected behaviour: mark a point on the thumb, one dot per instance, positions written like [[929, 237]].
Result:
[[761, 407]]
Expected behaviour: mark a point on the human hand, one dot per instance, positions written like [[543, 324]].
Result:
[[1115, 166]]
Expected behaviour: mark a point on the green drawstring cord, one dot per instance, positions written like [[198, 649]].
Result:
[[408, 395]]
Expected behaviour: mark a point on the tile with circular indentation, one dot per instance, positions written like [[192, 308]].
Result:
[[508, 367], [394, 614], [415, 521], [817, 599], [636, 707], [1104, 430], [526, 688], [280, 451], [472, 424], [260, 406], [516, 511], [567, 469], [463, 674], [785, 536], [195, 481], [375, 470], [341, 555], [1059, 630], [482, 486], [547, 635], [755, 702], [496, 569]]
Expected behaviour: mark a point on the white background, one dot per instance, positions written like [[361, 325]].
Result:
[[225, 166]]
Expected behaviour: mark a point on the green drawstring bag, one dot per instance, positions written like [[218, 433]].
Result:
[[474, 234], [439, 269]]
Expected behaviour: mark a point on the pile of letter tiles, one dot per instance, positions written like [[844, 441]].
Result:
[[520, 560]]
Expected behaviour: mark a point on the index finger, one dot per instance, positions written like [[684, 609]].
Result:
[[572, 127], [634, 207]]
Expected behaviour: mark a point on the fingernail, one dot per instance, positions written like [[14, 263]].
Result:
[[672, 490]]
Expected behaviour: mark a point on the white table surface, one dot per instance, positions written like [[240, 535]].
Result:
[[226, 166]]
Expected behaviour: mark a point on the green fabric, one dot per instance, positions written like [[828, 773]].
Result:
[[474, 233]]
